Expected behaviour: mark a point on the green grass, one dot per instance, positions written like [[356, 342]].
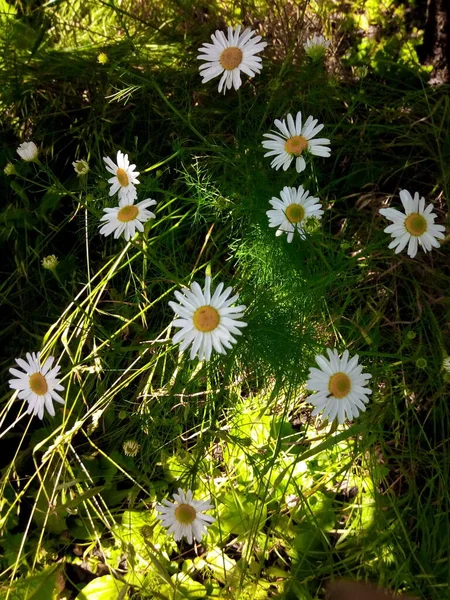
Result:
[[297, 502]]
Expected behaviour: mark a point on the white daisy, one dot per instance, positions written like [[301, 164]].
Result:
[[38, 385], [206, 322], [295, 141], [415, 226], [341, 387], [291, 212], [28, 151], [183, 517], [316, 47], [126, 218], [229, 57], [125, 177]]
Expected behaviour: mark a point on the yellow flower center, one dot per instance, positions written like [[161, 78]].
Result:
[[295, 145], [38, 384], [122, 177], [295, 213], [185, 514], [339, 385], [416, 224], [231, 58], [206, 318], [128, 213]]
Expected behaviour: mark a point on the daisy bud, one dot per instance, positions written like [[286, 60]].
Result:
[[316, 47], [50, 262], [9, 169], [131, 448], [28, 151], [81, 167]]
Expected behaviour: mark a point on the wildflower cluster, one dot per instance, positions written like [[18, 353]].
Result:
[[127, 217], [209, 319]]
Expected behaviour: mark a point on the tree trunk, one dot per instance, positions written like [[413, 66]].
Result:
[[435, 50]]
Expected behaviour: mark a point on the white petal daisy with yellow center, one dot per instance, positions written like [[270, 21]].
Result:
[[126, 218], [414, 227], [184, 517], [294, 142], [341, 387], [228, 57], [207, 322], [125, 177], [38, 384], [291, 212]]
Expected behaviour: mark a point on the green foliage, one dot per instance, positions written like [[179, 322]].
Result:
[[103, 588], [36, 587]]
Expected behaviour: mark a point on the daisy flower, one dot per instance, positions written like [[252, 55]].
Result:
[[415, 226], [206, 322], [341, 387], [294, 141], [126, 218], [228, 57], [316, 47], [38, 385], [291, 212], [184, 517], [124, 178], [28, 151]]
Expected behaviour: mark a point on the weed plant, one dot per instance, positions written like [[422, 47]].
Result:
[[297, 501]]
